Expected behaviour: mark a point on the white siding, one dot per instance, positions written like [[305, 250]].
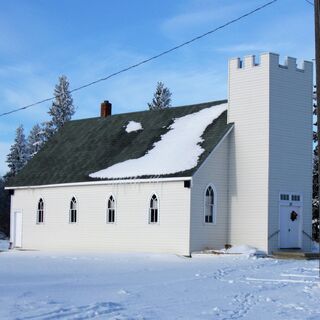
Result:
[[249, 152], [290, 143], [271, 148], [130, 233], [213, 171]]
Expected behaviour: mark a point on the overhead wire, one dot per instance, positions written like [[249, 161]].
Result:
[[308, 1], [147, 60]]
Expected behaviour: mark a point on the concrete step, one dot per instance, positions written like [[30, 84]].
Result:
[[295, 254]]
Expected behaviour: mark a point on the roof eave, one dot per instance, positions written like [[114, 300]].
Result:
[[101, 182]]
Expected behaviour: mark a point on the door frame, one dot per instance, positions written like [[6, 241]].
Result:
[[291, 203]]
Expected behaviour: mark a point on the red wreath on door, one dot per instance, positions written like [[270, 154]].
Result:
[[293, 216]]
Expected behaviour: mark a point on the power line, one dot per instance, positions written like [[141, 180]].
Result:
[[149, 59], [309, 2]]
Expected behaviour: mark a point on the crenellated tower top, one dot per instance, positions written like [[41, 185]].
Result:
[[270, 60]]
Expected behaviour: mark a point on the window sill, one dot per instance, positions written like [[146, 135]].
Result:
[[210, 223]]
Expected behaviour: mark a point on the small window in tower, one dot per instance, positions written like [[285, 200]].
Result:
[[295, 197], [284, 197]]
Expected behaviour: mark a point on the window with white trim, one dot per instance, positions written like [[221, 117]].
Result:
[[40, 211], [209, 215], [111, 210], [284, 197], [295, 197], [73, 210], [154, 209]]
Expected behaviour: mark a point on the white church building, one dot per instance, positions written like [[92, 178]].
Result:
[[183, 179]]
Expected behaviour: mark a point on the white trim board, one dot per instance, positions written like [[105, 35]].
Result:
[[214, 149], [104, 182]]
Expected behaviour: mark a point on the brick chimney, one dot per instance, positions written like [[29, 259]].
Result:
[[106, 108]]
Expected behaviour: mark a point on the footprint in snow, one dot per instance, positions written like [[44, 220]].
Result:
[[107, 310], [123, 292]]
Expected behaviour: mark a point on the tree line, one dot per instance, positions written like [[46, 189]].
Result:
[[23, 149], [61, 111]]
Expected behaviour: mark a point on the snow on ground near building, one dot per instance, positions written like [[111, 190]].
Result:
[[48, 285], [181, 142], [133, 126], [244, 249]]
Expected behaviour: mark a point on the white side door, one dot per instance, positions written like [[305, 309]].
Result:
[[290, 220], [17, 229]]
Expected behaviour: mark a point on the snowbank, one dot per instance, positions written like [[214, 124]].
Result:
[[40, 285], [181, 142], [133, 126], [242, 249]]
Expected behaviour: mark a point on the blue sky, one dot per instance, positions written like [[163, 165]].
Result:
[[86, 40]]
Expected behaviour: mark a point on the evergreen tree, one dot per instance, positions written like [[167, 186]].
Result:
[[18, 156], [36, 140], [4, 207], [161, 98], [315, 201], [62, 108]]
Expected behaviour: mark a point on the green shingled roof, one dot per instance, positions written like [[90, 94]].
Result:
[[85, 146]]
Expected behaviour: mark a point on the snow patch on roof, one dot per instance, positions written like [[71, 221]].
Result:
[[133, 126], [178, 150]]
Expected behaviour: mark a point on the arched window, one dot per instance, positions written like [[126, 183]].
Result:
[[73, 210], [154, 209], [209, 215], [111, 210], [40, 211]]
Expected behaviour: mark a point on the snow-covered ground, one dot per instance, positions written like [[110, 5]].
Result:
[[44, 285]]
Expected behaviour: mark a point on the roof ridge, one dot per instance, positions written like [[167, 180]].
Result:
[[208, 103]]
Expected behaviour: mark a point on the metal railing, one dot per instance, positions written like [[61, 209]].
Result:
[[273, 234], [307, 234]]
